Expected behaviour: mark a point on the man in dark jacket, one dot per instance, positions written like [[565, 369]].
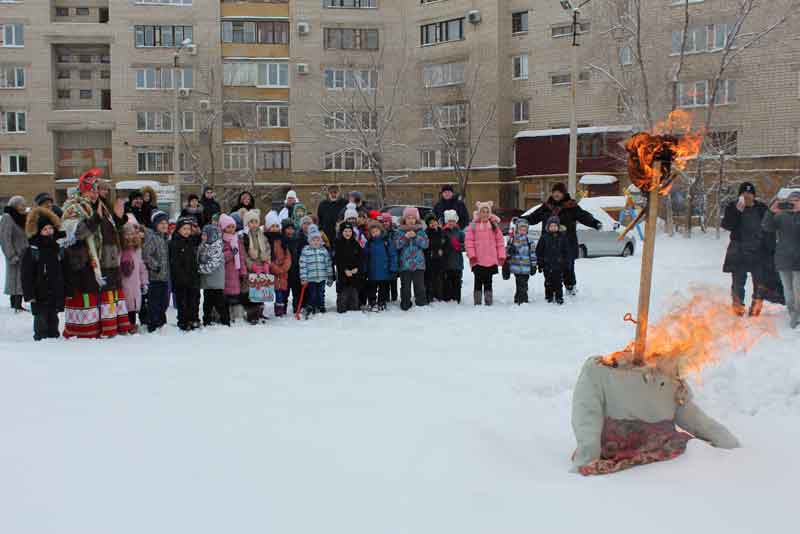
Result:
[[748, 251], [569, 213], [210, 206], [185, 273], [329, 210], [450, 201]]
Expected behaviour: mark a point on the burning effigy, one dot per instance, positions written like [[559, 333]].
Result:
[[634, 406]]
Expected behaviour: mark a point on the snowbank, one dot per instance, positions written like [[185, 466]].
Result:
[[449, 419], [597, 179]]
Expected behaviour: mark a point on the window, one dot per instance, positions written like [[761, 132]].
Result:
[[161, 36], [153, 121], [14, 164], [726, 92], [255, 32], [84, 59], [351, 39], [235, 157], [351, 120], [63, 74], [353, 4], [105, 74], [256, 74], [591, 146], [520, 65], [81, 11], [702, 38], [12, 77], [273, 75], [13, 122], [565, 30], [346, 160], [269, 157], [12, 35], [521, 111], [160, 78], [693, 94], [445, 116], [364, 79], [566, 79], [240, 115], [443, 74], [442, 32], [166, 2], [154, 161], [85, 75], [86, 94], [625, 55], [62, 12], [428, 159], [519, 22], [187, 123], [273, 116], [63, 94], [431, 158]]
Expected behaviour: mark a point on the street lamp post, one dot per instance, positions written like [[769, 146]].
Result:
[[176, 125], [573, 113]]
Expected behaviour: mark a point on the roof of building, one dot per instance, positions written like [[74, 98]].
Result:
[[598, 179], [565, 131]]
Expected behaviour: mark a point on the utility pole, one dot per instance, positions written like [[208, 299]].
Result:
[[573, 112]]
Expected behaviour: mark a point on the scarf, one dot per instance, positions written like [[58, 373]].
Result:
[[77, 210], [233, 242], [258, 249]]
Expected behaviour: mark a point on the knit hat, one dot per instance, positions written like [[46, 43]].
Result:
[[313, 231], [488, 205], [212, 233], [747, 187], [271, 220], [450, 215], [251, 215], [306, 220], [560, 187], [183, 221], [350, 213], [158, 217], [237, 220], [387, 218], [291, 194], [41, 198], [553, 220], [346, 226], [206, 189], [410, 211], [45, 220], [447, 187], [356, 195], [226, 220], [88, 180], [16, 200], [430, 217], [519, 222], [288, 223], [373, 214], [130, 228]]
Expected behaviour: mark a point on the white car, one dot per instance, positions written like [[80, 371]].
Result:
[[591, 242]]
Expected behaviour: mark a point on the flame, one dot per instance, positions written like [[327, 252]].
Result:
[[695, 333], [672, 139]]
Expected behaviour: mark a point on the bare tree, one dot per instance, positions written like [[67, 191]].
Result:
[[200, 149]]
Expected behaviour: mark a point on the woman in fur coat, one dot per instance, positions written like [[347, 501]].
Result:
[[13, 243]]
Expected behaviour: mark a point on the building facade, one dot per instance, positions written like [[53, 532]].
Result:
[[275, 95]]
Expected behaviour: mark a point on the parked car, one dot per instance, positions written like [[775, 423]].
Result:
[[507, 216], [593, 243], [397, 211]]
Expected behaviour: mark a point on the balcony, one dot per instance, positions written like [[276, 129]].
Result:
[[89, 12]]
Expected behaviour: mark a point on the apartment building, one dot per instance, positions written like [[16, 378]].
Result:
[[301, 94], [94, 83]]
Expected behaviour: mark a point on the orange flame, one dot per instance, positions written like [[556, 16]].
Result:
[[695, 334], [673, 138]]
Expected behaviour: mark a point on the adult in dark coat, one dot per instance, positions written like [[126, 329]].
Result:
[[193, 210], [348, 258], [210, 205], [748, 250], [783, 218], [45, 200], [329, 210], [245, 200], [135, 206], [569, 213], [450, 201]]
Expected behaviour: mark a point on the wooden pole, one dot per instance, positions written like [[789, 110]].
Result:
[[646, 276]]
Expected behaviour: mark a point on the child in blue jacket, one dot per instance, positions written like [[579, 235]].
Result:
[[316, 270], [522, 259], [381, 261], [411, 244]]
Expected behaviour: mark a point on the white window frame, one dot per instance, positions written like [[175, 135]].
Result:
[[625, 56], [276, 115], [233, 154], [340, 79], [7, 157], [519, 67], [687, 90], [341, 159], [163, 77], [4, 117], [521, 112], [17, 72], [17, 33], [278, 71], [429, 158], [162, 156], [526, 16], [726, 92], [285, 157], [444, 74]]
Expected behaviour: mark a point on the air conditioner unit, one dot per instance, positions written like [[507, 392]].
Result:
[[302, 68], [474, 16], [184, 93], [303, 28], [205, 105]]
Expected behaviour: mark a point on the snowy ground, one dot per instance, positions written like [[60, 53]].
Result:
[[450, 419]]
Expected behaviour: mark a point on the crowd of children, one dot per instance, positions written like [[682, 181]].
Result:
[[240, 263]]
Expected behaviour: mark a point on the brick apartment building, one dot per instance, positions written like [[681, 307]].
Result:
[[286, 94]]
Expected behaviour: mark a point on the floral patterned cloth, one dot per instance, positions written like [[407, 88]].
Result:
[[628, 443]]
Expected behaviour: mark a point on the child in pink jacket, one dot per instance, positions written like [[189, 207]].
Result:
[[235, 268], [133, 270], [486, 250]]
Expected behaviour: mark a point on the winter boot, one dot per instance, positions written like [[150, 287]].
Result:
[[794, 320], [755, 307], [487, 297], [738, 307], [571, 291], [478, 297]]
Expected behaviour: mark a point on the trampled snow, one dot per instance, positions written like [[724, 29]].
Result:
[[450, 419]]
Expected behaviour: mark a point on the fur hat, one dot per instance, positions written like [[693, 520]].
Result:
[[41, 198], [747, 187], [350, 213], [553, 220], [313, 231], [38, 218], [212, 233], [157, 217], [410, 211], [88, 180], [291, 194], [226, 220], [183, 221], [480, 205], [450, 216], [560, 187], [251, 215], [271, 220], [16, 200]]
